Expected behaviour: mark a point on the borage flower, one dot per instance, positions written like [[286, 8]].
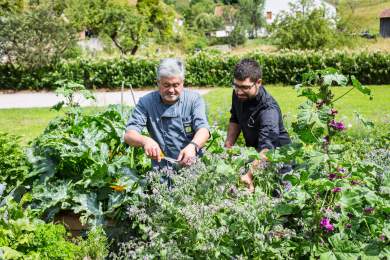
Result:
[[368, 210], [332, 176], [337, 189], [325, 224]]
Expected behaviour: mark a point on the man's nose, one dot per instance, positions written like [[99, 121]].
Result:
[[239, 91]]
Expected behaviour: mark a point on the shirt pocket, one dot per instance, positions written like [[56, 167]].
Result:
[[188, 128]]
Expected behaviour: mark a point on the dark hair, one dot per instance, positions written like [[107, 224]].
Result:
[[248, 68]]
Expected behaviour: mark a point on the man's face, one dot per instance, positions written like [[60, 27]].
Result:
[[170, 89], [246, 89]]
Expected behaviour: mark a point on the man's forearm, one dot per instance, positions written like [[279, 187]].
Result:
[[232, 134], [134, 138], [201, 136]]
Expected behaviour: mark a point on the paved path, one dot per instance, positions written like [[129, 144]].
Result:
[[48, 99]]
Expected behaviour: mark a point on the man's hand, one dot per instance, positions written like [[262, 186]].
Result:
[[232, 134], [152, 149], [256, 164], [187, 155], [248, 180]]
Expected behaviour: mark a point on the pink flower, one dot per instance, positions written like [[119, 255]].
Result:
[[337, 125], [368, 210], [325, 224], [337, 189]]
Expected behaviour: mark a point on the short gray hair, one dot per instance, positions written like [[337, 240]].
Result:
[[170, 67]]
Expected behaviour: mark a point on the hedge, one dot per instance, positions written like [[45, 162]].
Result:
[[203, 69]]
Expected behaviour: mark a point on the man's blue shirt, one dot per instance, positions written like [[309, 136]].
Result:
[[171, 126]]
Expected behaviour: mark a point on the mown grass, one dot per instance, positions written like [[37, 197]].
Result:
[[376, 110], [29, 123]]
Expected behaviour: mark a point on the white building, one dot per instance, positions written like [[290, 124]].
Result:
[[274, 7]]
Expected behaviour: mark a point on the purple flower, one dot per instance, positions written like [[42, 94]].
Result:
[[332, 176], [325, 140], [337, 125], [325, 224], [368, 210], [337, 189], [348, 225], [340, 169], [382, 237], [355, 182], [333, 112], [350, 215]]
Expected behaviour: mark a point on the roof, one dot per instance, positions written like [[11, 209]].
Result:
[[385, 13]]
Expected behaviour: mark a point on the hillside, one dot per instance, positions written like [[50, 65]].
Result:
[[362, 14]]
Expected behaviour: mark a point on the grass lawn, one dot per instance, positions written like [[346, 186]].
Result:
[[29, 123], [377, 110]]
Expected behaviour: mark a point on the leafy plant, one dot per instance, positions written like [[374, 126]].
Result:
[[13, 164], [24, 237], [80, 163]]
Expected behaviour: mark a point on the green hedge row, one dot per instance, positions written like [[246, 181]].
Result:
[[203, 69]]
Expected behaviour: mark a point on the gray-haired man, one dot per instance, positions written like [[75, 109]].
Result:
[[175, 118]]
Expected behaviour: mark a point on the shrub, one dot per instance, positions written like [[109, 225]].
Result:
[[203, 69]]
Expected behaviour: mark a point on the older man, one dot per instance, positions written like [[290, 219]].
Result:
[[174, 117]]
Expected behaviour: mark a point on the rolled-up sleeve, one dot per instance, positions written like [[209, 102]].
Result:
[[199, 117], [138, 118], [269, 129]]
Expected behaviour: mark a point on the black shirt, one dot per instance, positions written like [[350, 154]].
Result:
[[260, 120]]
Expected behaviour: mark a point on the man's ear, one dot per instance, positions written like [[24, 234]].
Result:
[[259, 81]]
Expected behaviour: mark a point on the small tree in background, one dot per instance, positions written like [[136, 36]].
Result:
[[251, 15], [304, 27], [35, 38]]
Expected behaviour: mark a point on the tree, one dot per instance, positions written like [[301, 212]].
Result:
[[304, 29], [251, 15], [207, 22], [125, 26], [159, 16], [35, 38]]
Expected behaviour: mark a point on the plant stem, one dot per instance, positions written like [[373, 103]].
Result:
[[343, 95]]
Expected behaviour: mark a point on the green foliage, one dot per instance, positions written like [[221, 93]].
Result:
[[24, 237], [251, 16], [80, 163], [11, 6], [13, 163], [237, 36], [332, 204], [35, 39], [203, 69], [303, 31], [68, 90], [207, 22], [125, 26]]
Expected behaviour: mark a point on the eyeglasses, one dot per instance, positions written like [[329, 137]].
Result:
[[243, 87]]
